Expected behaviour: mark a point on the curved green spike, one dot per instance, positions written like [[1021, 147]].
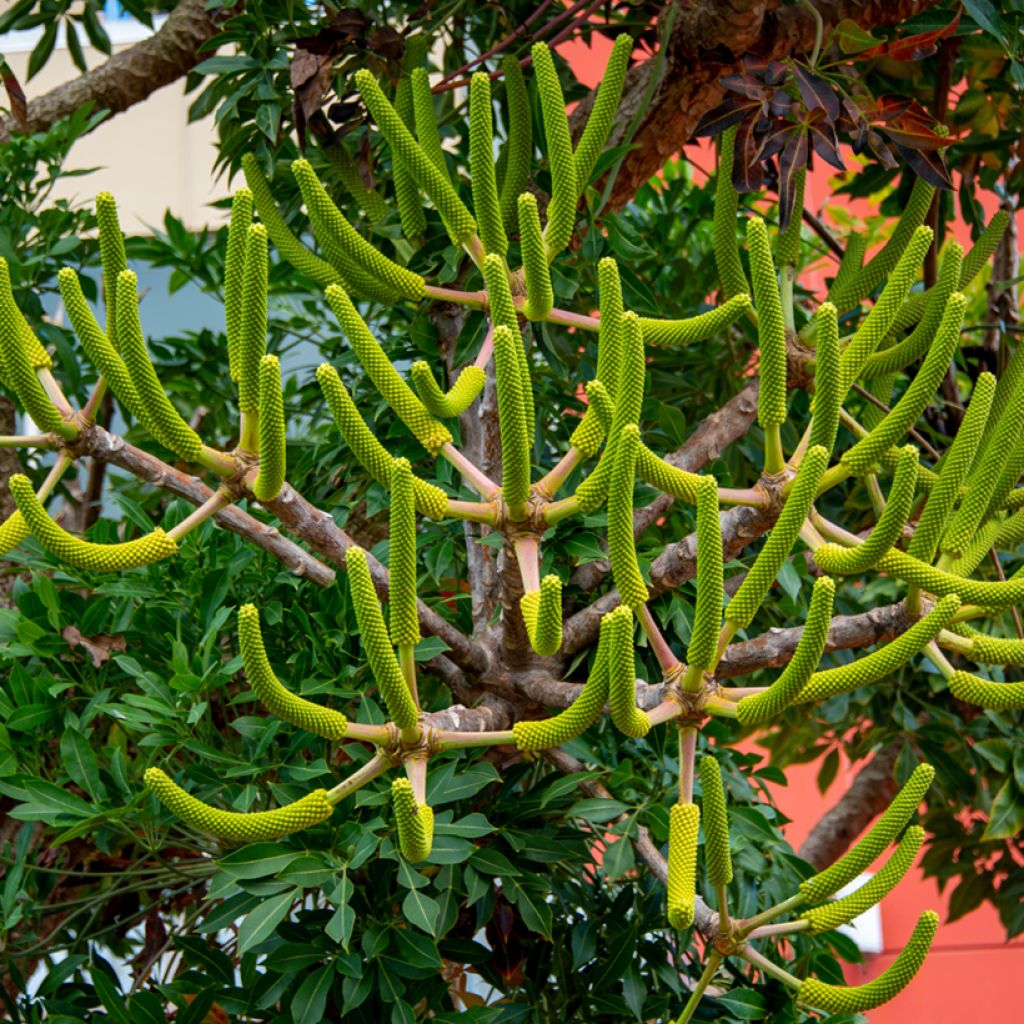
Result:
[[787, 249], [502, 312], [983, 248], [415, 822], [828, 392], [986, 694], [13, 531], [542, 613], [895, 978], [457, 218], [621, 546], [881, 835], [849, 267], [369, 199], [868, 450], [515, 443], [602, 113], [278, 700], [405, 621], [683, 829], [80, 553], [373, 635], [244, 828], [425, 119], [372, 456], [628, 718], [565, 189], [934, 581], [664, 333], [234, 274], [794, 678], [726, 247], [992, 650], [518, 150], [447, 405], [252, 339], [717, 858], [539, 294], [883, 662], [407, 194], [843, 911], [155, 410], [281, 235], [744, 605], [771, 330], [112, 257], [272, 446], [481, 165], [954, 469], [707, 616]]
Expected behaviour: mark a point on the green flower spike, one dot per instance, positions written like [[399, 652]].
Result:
[[771, 330], [758, 708], [787, 249], [425, 119], [252, 339], [843, 911], [744, 605], [454, 402], [372, 456], [828, 392], [415, 822], [347, 169], [405, 620], [243, 828], [80, 553], [663, 333], [883, 662], [683, 829], [542, 613], [717, 857], [515, 438], [112, 257], [234, 274], [377, 644], [621, 545], [278, 700], [602, 113], [457, 218], [707, 617], [537, 274], [982, 250], [986, 694], [628, 718], [502, 313], [934, 581], [410, 410], [155, 410], [281, 235], [13, 531], [899, 974], [565, 189], [270, 475], [407, 194], [518, 151], [993, 650], [481, 165], [868, 450], [849, 267], [726, 248], [882, 833]]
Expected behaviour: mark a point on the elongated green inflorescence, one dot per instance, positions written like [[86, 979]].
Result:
[[372, 456], [376, 642], [565, 189], [542, 613], [621, 546], [717, 858], [536, 272], [995, 650], [771, 330], [883, 662], [787, 249], [457, 218], [744, 605], [481, 165], [503, 314], [405, 620], [515, 445], [278, 700], [843, 911], [280, 234], [986, 694], [242, 828], [662, 333], [13, 531], [707, 616], [80, 553], [112, 257], [828, 391], [518, 150], [602, 113], [683, 830], [410, 410], [726, 247], [881, 835], [757, 708], [270, 475], [425, 119], [868, 450], [415, 822], [907, 568], [849, 268], [252, 340], [369, 199], [158, 416], [407, 194], [895, 978], [984, 247], [234, 274], [628, 718], [953, 472], [454, 402]]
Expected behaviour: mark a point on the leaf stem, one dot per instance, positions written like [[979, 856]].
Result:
[[714, 961], [377, 765]]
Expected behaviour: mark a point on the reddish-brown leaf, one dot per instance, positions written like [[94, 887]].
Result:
[[15, 96], [816, 92], [928, 165], [98, 647], [725, 115], [917, 47], [747, 168], [793, 157]]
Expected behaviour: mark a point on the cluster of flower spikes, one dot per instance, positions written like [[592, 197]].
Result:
[[971, 503]]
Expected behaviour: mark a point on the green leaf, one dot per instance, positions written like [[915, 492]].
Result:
[[472, 826], [259, 924], [493, 862], [80, 761], [421, 910], [852, 38], [1007, 816], [445, 787], [535, 911], [597, 809], [634, 991], [311, 999], [744, 1004], [619, 858], [339, 927], [258, 860]]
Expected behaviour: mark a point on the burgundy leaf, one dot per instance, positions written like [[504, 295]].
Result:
[[780, 103], [15, 96], [775, 73], [793, 158], [881, 150], [816, 92], [724, 116], [824, 141], [914, 47], [747, 169], [744, 85], [926, 165]]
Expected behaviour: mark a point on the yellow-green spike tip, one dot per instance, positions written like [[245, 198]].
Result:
[[415, 822], [683, 829]]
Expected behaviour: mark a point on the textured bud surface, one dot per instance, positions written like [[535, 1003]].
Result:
[[985, 694], [628, 718], [771, 330], [621, 546], [662, 333], [405, 622], [707, 616], [717, 858], [270, 476], [415, 822], [454, 402], [683, 827]]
